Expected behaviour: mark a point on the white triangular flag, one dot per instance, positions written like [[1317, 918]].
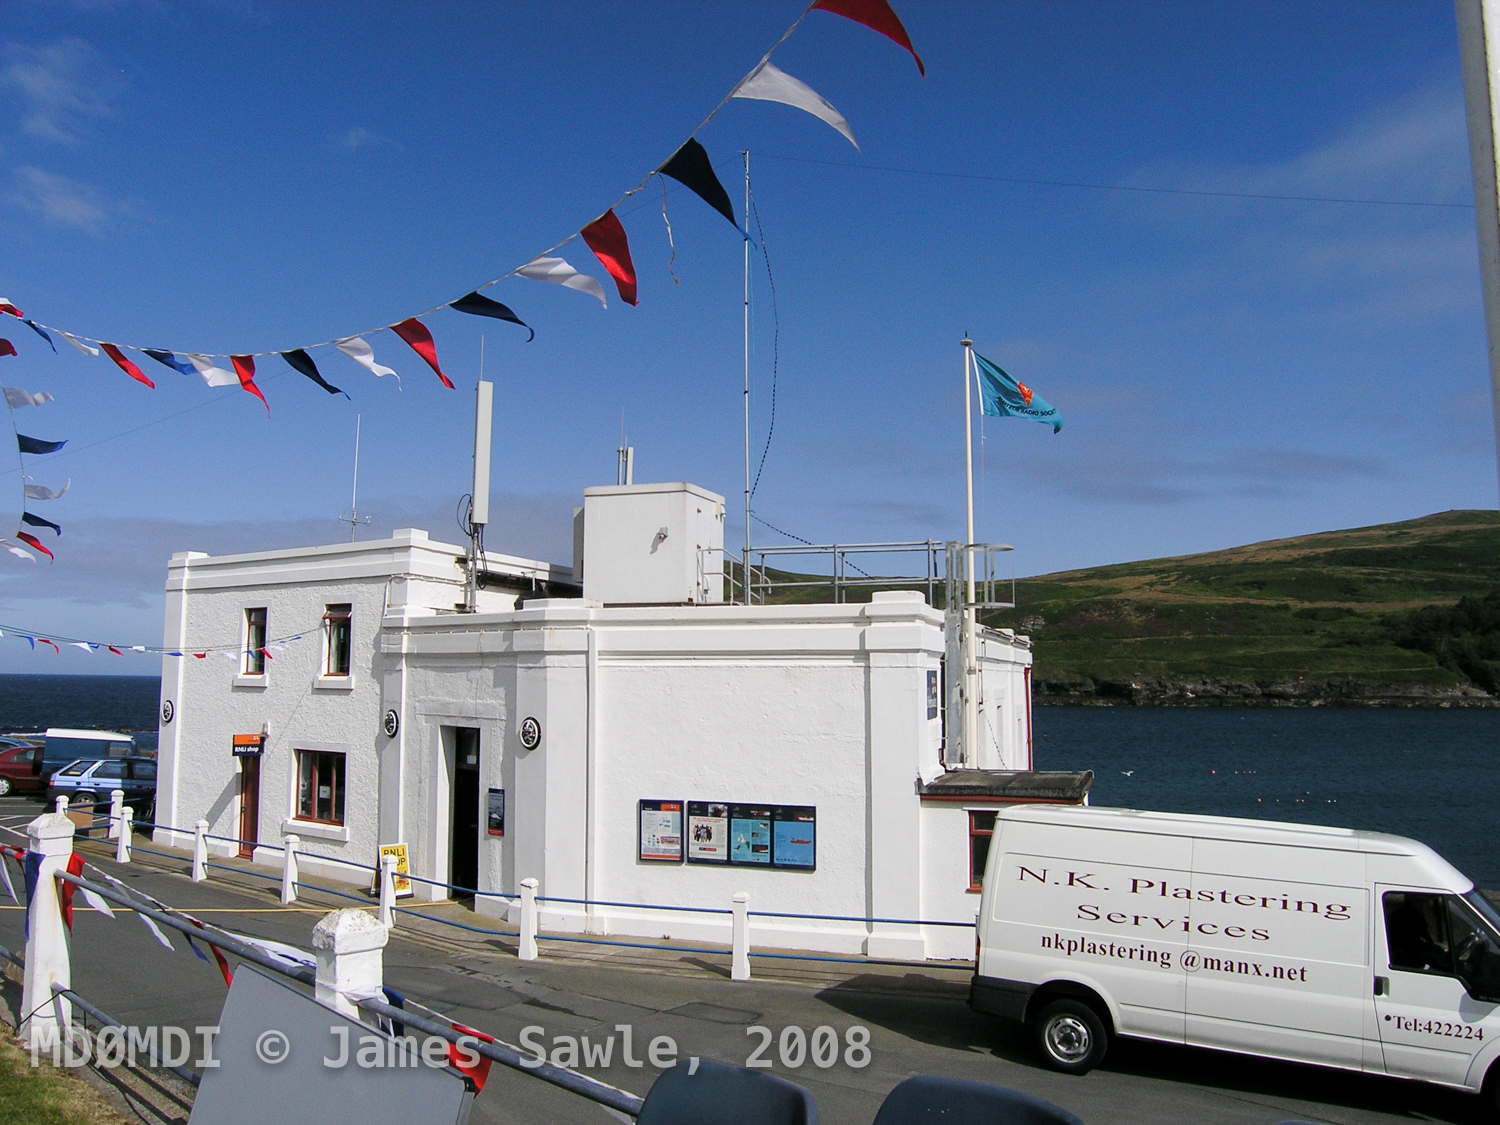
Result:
[[16, 398], [289, 955], [79, 344], [768, 84], [229, 656], [559, 272], [95, 901], [213, 376], [361, 353], [42, 492], [5, 874], [15, 550], [155, 929]]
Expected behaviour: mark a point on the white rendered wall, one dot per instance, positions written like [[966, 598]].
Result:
[[653, 544]]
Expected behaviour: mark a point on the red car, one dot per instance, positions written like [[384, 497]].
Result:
[[16, 774]]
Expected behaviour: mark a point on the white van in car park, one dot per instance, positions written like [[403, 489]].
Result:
[[1322, 945]]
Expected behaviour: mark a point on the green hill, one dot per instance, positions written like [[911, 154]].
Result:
[[1327, 618]]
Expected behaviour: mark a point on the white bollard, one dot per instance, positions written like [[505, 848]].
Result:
[[527, 950], [116, 803], [123, 839], [200, 851], [388, 891], [289, 846], [61, 807], [47, 960], [349, 947], [739, 962]]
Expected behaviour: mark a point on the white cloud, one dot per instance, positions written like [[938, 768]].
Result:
[[360, 137], [61, 201], [62, 88]]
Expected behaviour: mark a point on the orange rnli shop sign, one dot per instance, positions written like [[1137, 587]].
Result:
[[248, 745]]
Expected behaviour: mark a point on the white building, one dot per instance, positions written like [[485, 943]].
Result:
[[643, 743]]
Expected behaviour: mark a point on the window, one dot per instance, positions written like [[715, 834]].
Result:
[[336, 640], [1445, 936], [143, 771], [981, 828], [255, 641], [320, 786], [111, 771]]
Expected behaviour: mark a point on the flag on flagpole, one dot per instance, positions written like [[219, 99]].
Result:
[[1005, 397]]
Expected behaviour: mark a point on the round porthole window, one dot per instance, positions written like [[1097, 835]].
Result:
[[392, 723], [531, 733], [167, 711]]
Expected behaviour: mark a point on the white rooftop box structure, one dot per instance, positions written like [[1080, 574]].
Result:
[[652, 544]]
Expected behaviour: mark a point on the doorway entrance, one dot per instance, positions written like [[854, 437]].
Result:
[[463, 855], [249, 832]]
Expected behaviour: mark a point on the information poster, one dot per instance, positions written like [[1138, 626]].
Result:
[[795, 836], [495, 812], [932, 693], [707, 832], [403, 869], [749, 835], [661, 831]]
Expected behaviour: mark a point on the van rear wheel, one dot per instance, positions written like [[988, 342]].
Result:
[[1070, 1036]]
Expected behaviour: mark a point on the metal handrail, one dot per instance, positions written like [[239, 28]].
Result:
[[186, 1074]]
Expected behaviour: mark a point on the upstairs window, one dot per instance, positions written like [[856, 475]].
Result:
[[981, 830], [336, 640], [320, 786], [255, 641]]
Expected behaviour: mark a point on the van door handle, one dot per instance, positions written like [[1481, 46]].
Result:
[[1382, 986]]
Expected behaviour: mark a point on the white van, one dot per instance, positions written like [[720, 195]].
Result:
[[1324, 945]]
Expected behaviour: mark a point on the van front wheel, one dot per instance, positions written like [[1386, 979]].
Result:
[[1070, 1036]]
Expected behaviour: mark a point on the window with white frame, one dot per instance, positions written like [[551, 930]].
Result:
[[320, 786], [255, 641], [337, 636]]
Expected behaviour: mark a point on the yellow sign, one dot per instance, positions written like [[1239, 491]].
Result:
[[403, 884]]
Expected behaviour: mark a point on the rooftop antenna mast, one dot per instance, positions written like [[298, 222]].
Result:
[[353, 518], [745, 560], [625, 472], [479, 498]]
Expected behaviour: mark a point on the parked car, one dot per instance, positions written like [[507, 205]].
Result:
[[16, 762], [63, 746], [89, 782]]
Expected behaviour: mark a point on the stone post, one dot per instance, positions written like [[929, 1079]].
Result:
[[739, 965], [200, 851], [349, 945], [388, 891], [116, 803], [123, 840], [527, 950], [47, 960], [289, 845]]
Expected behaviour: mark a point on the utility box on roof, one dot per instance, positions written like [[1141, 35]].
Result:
[[653, 544]]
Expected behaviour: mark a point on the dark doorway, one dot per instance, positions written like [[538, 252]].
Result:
[[249, 832], [463, 858]]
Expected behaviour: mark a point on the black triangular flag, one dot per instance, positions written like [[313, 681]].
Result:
[[299, 360], [37, 445], [37, 521], [690, 167], [475, 305]]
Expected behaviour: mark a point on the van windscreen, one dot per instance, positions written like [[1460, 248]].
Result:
[[1484, 908]]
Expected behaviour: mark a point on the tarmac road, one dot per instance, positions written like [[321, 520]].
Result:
[[917, 1018]]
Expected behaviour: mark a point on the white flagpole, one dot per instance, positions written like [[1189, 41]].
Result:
[[970, 656]]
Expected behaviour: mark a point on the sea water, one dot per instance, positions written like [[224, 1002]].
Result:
[[1432, 775]]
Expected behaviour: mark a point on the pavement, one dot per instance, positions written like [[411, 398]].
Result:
[[916, 1016]]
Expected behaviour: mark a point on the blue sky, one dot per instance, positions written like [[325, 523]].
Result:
[[245, 176]]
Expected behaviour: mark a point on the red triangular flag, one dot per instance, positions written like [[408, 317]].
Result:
[[6, 347], [415, 333], [44, 640], [214, 949], [7, 307], [606, 238], [126, 366], [65, 889], [114, 650], [877, 16], [480, 1071], [244, 367], [36, 545]]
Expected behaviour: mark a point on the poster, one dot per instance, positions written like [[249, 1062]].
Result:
[[749, 834], [707, 832], [661, 831], [495, 812], [403, 869], [795, 837], [932, 693]]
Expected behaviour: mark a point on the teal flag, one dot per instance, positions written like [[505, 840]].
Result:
[[1005, 397]]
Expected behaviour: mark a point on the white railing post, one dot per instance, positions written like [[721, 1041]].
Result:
[[123, 840], [388, 891], [116, 803], [289, 844], [527, 950], [739, 962], [51, 836], [61, 807], [349, 946], [200, 851]]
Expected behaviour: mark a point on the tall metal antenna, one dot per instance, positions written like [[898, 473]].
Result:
[[353, 518], [745, 561]]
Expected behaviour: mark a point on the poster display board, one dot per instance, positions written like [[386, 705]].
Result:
[[402, 881], [932, 693], [794, 836], [495, 812], [707, 832], [660, 831], [750, 835]]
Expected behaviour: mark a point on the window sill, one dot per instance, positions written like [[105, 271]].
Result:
[[333, 683], [313, 830], [250, 681]]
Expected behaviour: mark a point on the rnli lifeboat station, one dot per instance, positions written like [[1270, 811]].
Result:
[[637, 729]]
